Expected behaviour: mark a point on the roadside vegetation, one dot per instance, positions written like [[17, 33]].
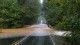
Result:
[[60, 14]]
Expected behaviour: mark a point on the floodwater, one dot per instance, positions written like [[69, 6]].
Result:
[[9, 41], [35, 40]]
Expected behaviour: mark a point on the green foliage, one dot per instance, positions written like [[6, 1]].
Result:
[[65, 15], [54, 11], [30, 8], [62, 14], [17, 13], [10, 14]]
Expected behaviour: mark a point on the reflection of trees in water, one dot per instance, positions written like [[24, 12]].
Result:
[[37, 40]]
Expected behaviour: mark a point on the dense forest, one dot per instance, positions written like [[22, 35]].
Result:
[[60, 14]]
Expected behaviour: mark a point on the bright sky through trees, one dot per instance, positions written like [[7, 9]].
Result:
[[41, 1]]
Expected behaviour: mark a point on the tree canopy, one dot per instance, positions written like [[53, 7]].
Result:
[[60, 14]]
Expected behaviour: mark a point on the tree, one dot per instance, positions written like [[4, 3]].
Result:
[[64, 15], [10, 14]]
